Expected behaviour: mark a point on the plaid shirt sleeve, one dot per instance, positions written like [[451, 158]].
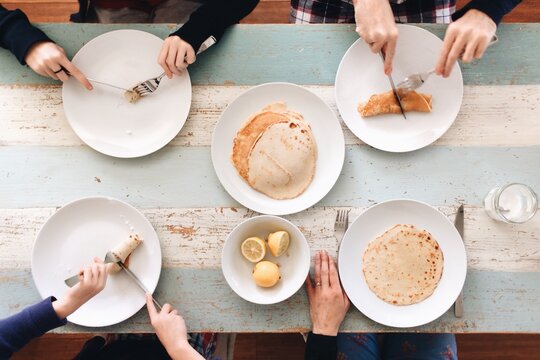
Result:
[[342, 11]]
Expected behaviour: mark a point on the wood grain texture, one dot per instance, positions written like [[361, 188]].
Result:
[[50, 176], [489, 116], [494, 302], [303, 54], [291, 346], [193, 238]]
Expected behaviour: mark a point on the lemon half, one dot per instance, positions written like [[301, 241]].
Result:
[[278, 242], [253, 249]]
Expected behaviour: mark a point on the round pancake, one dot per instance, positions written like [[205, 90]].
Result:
[[403, 266], [282, 161]]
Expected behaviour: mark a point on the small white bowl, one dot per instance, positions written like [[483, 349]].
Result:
[[293, 265]]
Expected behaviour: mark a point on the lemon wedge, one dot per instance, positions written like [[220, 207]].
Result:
[[266, 274], [253, 249], [278, 242]]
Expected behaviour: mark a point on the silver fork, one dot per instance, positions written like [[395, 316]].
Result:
[[73, 280], [147, 87], [341, 225], [414, 81]]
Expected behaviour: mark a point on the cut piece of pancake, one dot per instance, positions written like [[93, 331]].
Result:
[[282, 161], [248, 134], [386, 103], [403, 266], [122, 251]]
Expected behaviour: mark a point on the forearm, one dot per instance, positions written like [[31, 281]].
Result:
[[212, 18], [495, 9], [321, 347], [17, 330], [17, 34], [184, 351]]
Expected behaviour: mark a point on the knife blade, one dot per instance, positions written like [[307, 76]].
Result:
[[138, 282], [396, 95], [458, 223]]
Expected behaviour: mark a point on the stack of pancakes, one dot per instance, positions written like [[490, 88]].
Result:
[[275, 152], [403, 266]]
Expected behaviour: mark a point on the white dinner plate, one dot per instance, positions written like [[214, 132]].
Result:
[[324, 125], [88, 228], [103, 118], [293, 265], [360, 75], [374, 222]]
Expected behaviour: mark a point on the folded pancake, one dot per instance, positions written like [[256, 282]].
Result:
[[386, 103], [248, 134], [282, 161], [122, 251], [403, 266]]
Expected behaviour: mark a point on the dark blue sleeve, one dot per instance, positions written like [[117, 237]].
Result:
[[17, 330], [320, 347], [495, 9], [212, 18], [17, 34]]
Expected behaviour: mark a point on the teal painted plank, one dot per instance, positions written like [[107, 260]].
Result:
[[494, 302], [303, 54], [32, 176]]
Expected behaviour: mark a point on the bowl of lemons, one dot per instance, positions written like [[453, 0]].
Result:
[[265, 259]]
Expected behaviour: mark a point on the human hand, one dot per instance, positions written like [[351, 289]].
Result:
[[171, 330], [92, 281], [328, 303], [49, 59], [376, 25], [175, 56], [468, 37]]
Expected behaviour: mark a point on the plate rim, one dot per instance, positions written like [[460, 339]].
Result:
[[389, 149], [135, 154], [459, 244], [76, 201], [235, 229], [263, 209]]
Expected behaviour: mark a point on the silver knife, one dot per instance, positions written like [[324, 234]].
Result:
[[396, 95], [138, 282], [458, 305]]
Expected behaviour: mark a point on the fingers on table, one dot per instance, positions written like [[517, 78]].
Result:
[[325, 270], [318, 269]]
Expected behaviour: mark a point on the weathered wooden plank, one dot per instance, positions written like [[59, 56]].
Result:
[[176, 177], [494, 302], [193, 238], [490, 116], [303, 54]]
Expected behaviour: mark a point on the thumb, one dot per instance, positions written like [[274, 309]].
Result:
[[309, 287]]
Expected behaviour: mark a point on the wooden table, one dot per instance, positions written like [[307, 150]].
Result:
[[495, 140]]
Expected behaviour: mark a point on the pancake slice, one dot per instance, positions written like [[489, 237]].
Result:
[[403, 266], [386, 103], [122, 251], [248, 134], [282, 161]]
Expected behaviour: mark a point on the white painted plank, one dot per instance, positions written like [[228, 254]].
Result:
[[490, 116], [193, 238]]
